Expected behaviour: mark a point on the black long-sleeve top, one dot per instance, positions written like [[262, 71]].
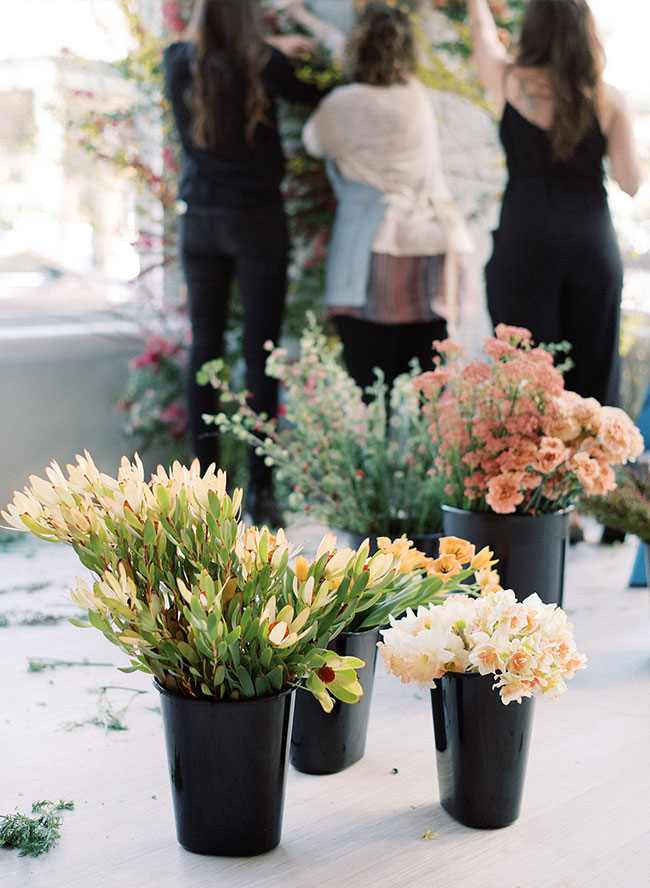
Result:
[[234, 173]]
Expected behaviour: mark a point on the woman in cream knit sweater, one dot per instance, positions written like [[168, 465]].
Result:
[[395, 276]]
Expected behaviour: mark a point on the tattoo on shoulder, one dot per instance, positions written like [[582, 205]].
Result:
[[527, 100]]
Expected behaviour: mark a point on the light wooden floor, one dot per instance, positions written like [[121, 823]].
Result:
[[585, 821]]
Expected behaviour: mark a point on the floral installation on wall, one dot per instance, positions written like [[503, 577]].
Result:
[[153, 401]]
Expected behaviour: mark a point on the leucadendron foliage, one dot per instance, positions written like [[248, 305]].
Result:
[[211, 608]]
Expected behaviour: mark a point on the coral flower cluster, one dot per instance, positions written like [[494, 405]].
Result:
[[509, 438], [528, 646]]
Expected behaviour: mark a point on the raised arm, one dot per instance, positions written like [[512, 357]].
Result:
[[489, 54], [621, 144], [323, 33]]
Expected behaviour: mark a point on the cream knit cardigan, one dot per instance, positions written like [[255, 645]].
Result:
[[387, 137]]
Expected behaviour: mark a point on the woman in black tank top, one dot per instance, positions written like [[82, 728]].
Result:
[[556, 267]]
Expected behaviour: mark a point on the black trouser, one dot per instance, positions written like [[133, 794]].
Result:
[[216, 247], [390, 347]]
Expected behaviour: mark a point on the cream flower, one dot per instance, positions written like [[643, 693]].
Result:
[[528, 646]]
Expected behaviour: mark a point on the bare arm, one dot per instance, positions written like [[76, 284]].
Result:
[[621, 144], [489, 54], [326, 34], [292, 44]]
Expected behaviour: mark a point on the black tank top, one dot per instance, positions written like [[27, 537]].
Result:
[[528, 153]]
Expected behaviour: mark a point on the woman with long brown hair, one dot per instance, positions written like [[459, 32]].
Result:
[[223, 83], [395, 277], [556, 266]]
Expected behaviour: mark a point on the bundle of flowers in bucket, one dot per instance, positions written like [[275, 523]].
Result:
[[326, 744], [627, 509], [355, 461], [516, 450], [223, 617], [479, 655]]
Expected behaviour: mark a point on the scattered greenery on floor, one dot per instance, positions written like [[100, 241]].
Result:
[[38, 664], [108, 717], [39, 619], [9, 538], [30, 588], [33, 835]]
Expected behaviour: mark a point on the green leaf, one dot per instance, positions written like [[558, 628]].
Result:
[[251, 632], [233, 636], [149, 533], [213, 526], [245, 681], [197, 609], [213, 627], [275, 677], [188, 652], [204, 647], [342, 694], [262, 686], [97, 621], [163, 499]]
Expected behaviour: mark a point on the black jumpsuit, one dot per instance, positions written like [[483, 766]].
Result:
[[556, 267]]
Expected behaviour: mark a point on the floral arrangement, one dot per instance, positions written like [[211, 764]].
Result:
[[507, 435], [528, 646], [361, 465], [627, 507], [212, 608]]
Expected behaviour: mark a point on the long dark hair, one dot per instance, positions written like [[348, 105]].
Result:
[[560, 35], [230, 55], [381, 48]]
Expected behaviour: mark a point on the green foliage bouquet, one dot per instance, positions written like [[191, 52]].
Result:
[[209, 607], [362, 466], [627, 507]]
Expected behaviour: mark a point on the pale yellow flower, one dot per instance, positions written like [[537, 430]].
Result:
[[83, 596], [410, 558], [444, 567], [462, 550], [484, 558], [486, 577], [338, 563], [327, 544], [301, 567]]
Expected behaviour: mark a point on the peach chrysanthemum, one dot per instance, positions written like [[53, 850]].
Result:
[[552, 453], [619, 436], [504, 492]]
